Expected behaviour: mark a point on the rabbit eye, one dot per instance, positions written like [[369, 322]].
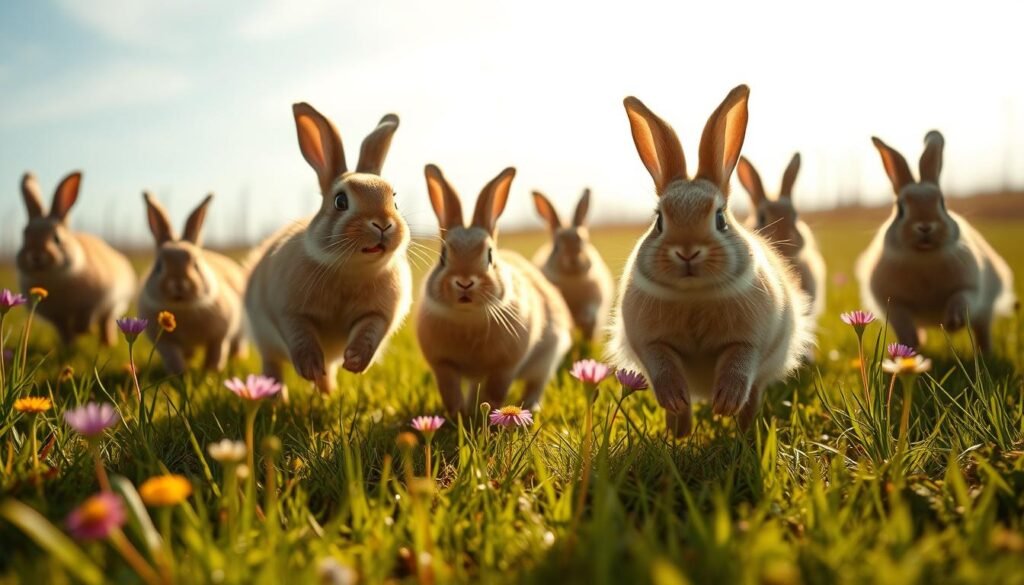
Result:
[[56, 239], [761, 218], [720, 221], [899, 210], [657, 222], [490, 256], [159, 266], [341, 201], [444, 254]]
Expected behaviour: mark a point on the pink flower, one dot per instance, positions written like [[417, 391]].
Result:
[[9, 300], [631, 380], [859, 320], [132, 327], [589, 371], [508, 416], [92, 419], [97, 517], [840, 279], [899, 351], [254, 387], [427, 424]]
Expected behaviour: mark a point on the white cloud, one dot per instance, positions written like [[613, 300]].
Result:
[[273, 19], [79, 93]]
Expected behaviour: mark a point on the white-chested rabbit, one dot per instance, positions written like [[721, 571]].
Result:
[[488, 316], [706, 309], [202, 289], [333, 288], [926, 265], [573, 265], [87, 280], [777, 220]]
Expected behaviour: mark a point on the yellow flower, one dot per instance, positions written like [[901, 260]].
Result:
[[165, 490], [167, 321], [38, 293], [909, 365], [33, 404]]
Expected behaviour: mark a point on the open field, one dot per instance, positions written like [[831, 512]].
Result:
[[818, 493]]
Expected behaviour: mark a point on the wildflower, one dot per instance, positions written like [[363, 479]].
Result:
[[511, 416], [97, 517], [33, 404], [330, 572], [254, 387], [589, 371], [92, 419], [165, 490], [167, 321], [66, 373], [840, 279], [899, 351], [631, 381], [227, 451], [907, 366], [858, 319], [38, 294], [132, 327], [427, 425], [406, 441], [9, 300]]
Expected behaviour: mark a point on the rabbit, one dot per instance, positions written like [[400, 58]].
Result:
[[202, 289], [706, 309], [573, 265], [777, 220], [87, 280], [487, 316], [928, 266], [333, 288]]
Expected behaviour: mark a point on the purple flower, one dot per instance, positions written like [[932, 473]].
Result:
[[508, 416], [9, 300], [254, 387], [427, 424], [132, 327], [858, 318], [97, 517], [589, 371], [92, 419], [899, 351], [631, 380]]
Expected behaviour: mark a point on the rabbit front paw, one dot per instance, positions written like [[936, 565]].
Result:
[[956, 314]]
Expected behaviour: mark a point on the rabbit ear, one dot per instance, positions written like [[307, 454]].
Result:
[[492, 201], [789, 177], [443, 198], [159, 223], [931, 159], [376, 144], [722, 140], [656, 143], [320, 144], [582, 207], [546, 210], [30, 193], [66, 195], [194, 224], [895, 165], [751, 181]]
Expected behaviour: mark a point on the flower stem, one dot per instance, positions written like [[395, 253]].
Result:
[[132, 557], [24, 339], [888, 398], [101, 471], [250, 423], [908, 387], [430, 475], [3, 366], [581, 499], [863, 371]]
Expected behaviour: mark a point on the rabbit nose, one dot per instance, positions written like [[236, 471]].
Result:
[[382, 229], [463, 285], [689, 258], [924, 228]]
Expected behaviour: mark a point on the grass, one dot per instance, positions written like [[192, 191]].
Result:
[[820, 492]]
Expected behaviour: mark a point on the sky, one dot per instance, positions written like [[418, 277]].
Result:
[[191, 96]]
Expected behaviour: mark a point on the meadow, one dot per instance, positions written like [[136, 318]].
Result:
[[823, 490]]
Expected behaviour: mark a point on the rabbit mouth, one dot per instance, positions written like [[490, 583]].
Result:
[[377, 249], [464, 299]]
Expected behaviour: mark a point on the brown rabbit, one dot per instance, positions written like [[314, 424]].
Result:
[[573, 265], [202, 289], [488, 316], [333, 288], [707, 309], [87, 280], [928, 266], [777, 220]]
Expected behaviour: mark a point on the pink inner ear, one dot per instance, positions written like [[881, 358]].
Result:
[[312, 146]]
